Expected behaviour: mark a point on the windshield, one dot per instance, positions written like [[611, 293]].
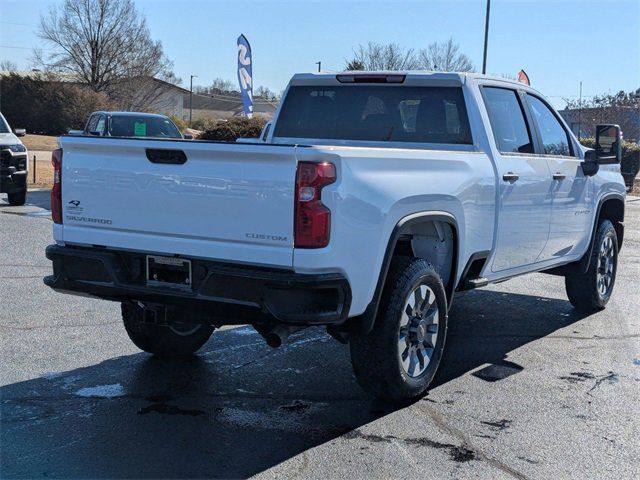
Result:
[[375, 113], [142, 126], [4, 127]]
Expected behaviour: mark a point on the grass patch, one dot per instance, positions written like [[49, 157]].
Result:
[[44, 174], [40, 142]]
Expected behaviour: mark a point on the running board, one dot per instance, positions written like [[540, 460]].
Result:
[[476, 283], [471, 275]]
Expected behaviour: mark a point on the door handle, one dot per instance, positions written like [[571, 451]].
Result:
[[510, 177], [559, 176]]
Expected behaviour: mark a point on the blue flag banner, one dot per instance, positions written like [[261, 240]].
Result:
[[245, 75]]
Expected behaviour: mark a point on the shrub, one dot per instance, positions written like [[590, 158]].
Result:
[[203, 124], [43, 106], [234, 128], [630, 165], [181, 124]]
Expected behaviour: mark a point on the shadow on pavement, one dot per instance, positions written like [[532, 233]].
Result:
[[238, 407], [35, 198], [40, 198]]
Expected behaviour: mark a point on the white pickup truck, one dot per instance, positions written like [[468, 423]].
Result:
[[374, 198]]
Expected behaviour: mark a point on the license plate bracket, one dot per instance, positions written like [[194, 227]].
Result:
[[169, 272]]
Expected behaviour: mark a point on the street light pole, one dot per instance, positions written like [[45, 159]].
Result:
[[486, 38], [319, 66], [580, 112], [191, 98]]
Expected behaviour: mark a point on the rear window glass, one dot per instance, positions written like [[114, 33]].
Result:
[[132, 126], [375, 113], [507, 120]]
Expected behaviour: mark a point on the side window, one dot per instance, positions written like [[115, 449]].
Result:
[[100, 127], [507, 120], [92, 123], [555, 140]]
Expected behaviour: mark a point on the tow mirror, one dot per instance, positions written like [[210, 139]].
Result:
[[608, 149], [608, 144], [20, 132]]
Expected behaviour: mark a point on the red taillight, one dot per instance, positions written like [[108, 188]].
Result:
[[312, 218], [56, 191]]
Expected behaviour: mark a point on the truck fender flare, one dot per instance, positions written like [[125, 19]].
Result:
[[582, 265], [586, 258], [364, 322]]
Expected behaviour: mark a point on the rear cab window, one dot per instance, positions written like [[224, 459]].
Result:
[[101, 125], [435, 115], [92, 123], [508, 121]]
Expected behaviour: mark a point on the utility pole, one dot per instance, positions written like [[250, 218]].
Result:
[[486, 38], [319, 66], [580, 112], [191, 98]]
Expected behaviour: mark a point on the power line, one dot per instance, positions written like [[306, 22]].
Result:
[[569, 96], [12, 46], [19, 24]]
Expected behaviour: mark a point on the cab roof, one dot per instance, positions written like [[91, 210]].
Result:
[[129, 114], [413, 77]]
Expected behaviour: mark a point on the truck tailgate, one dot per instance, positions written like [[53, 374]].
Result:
[[231, 202]]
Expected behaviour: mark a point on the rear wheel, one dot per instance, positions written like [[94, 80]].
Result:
[[398, 359], [590, 291], [178, 337], [17, 198]]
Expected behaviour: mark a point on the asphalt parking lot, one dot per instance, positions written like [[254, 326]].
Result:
[[529, 388]]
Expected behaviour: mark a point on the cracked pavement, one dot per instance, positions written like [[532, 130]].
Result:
[[528, 388]]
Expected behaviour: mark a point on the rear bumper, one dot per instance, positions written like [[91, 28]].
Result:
[[229, 294]]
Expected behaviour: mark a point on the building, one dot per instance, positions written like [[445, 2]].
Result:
[[152, 95], [583, 121], [215, 107], [170, 99]]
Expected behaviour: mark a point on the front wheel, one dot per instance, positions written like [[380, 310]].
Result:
[[398, 359], [179, 337], [590, 291], [17, 198]]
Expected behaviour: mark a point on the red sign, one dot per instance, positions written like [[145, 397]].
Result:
[[523, 77]]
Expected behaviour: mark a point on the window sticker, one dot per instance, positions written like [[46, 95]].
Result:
[[140, 129]]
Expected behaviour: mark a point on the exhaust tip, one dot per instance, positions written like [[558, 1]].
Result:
[[273, 340]]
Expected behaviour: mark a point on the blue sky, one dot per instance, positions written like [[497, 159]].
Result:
[[558, 42]]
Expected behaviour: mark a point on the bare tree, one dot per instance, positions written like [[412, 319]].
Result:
[[8, 66], [266, 93], [378, 56], [445, 57], [106, 45], [223, 85], [354, 64], [621, 108], [218, 86]]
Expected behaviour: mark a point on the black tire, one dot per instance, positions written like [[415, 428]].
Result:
[[178, 338], [376, 358], [585, 292], [17, 198]]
